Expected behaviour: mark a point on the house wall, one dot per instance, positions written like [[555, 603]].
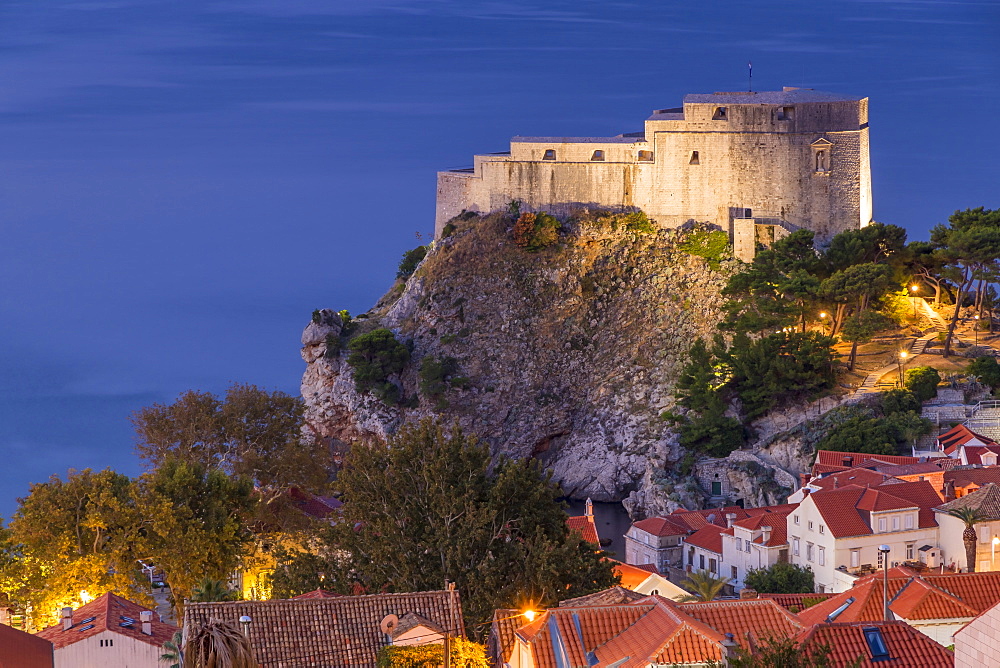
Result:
[[978, 644], [693, 560], [950, 530], [751, 159], [734, 554], [938, 630], [418, 635], [124, 652], [642, 547], [837, 551]]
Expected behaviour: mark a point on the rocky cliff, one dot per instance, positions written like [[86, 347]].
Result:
[[568, 354]]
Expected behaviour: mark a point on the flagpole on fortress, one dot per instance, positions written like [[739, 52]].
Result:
[[750, 79]]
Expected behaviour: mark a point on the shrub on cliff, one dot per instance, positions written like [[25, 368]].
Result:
[[923, 382], [534, 231], [374, 357], [713, 245], [781, 578], [411, 259], [986, 370]]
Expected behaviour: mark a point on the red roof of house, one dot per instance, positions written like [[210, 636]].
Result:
[[959, 435], [631, 576], [833, 458], [709, 537], [974, 453], [585, 526], [696, 519], [23, 650], [315, 593], [906, 645], [847, 510], [796, 601], [985, 500], [751, 621], [320, 507], [839, 510], [109, 612], [855, 476], [967, 477], [777, 522], [663, 526]]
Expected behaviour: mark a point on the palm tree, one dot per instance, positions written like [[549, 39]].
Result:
[[173, 651], [218, 645], [704, 585], [211, 591], [970, 517]]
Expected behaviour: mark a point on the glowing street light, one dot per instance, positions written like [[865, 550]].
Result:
[[976, 327], [530, 614], [85, 597], [913, 289], [993, 557], [900, 361]]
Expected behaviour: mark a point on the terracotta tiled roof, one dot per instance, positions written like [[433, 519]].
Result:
[[781, 509], [326, 631], [320, 507], [109, 612], [986, 500], [846, 510], [974, 453], [613, 596], [862, 602], [832, 458], [750, 621], [796, 601], [777, 522], [696, 519], [24, 650], [907, 646], [895, 470], [708, 537], [630, 576], [966, 476], [855, 476], [502, 641], [920, 600], [316, 593], [648, 567], [839, 510], [921, 494], [959, 435], [558, 628], [585, 526], [662, 526], [663, 635], [978, 590], [412, 620]]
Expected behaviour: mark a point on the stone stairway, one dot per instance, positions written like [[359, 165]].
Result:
[[985, 419]]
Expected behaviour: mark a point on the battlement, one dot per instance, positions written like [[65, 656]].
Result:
[[799, 153]]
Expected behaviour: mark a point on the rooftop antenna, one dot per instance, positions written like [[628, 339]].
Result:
[[750, 78]]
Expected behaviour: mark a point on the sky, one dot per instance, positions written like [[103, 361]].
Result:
[[182, 182]]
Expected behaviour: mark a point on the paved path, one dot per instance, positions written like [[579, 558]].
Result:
[[916, 348]]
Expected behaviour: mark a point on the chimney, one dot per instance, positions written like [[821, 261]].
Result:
[[730, 518], [836, 482], [765, 534], [729, 648], [805, 492], [146, 617], [589, 512], [847, 461], [67, 618], [804, 479], [747, 592], [949, 490]]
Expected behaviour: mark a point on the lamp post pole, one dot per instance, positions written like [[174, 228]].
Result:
[[975, 326], [883, 551], [913, 299], [899, 365], [993, 556]]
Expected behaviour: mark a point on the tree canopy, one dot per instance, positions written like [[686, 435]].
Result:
[[781, 578]]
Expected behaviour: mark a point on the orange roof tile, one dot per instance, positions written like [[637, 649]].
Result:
[[920, 600], [839, 510], [613, 596], [756, 619], [974, 453], [709, 537], [557, 630], [833, 458], [109, 612], [959, 435], [696, 519], [963, 477], [797, 601], [978, 590], [862, 602], [662, 526], [907, 646], [855, 476], [585, 526], [316, 593], [24, 650], [630, 576]]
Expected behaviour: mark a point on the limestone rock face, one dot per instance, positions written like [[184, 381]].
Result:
[[568, 355]]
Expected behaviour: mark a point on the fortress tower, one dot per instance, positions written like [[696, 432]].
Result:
[[756, 164]]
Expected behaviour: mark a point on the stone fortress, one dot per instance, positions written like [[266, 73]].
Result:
[[757, 164]]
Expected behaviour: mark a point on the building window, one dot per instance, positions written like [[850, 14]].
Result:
[[809, 551], [550, 154], [876, 644], [795, 546], [645, 156], [795, 518], [881, 525], [909, 551], [748, 546], [855, 558], [822, 529], [984, 534], [822, 556], [690, 556], [908, 521], [694, 158], [735, 573], [701, 561], [713, 566], [786, 113], [719, 114], [895, 522], [810, 525], [598, 156]]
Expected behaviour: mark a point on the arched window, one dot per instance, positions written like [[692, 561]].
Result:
[[720, 114], [694, 158], [598, 156], [550, 154]]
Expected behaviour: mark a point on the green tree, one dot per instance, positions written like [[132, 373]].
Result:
[[249, 433], [899, 400], [786, 653], [986, 370], [969, 249], [208, 590], [704, 586], [922, 381], [872, 243], [197, 526], [876, 435], [926, 264], [535, 231], [855, 289], [431, 507], [464, 654], [79, 534], [970, 517], [173, 651], [781, 578], [862, 328], [375, 357], [701, 389], [298, 571], [411, 259]]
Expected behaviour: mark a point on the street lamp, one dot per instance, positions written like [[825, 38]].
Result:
[[975, 326], [899, 364], [245, 623], [993, 557], [883, 555], [913, 299]]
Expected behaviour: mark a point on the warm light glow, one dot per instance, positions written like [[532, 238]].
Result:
[[823, 314], [996, 540], [914, 288], [85, 597], [903, 354], [530, 614]]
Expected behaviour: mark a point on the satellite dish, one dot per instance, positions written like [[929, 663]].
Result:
[[388, 624]]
